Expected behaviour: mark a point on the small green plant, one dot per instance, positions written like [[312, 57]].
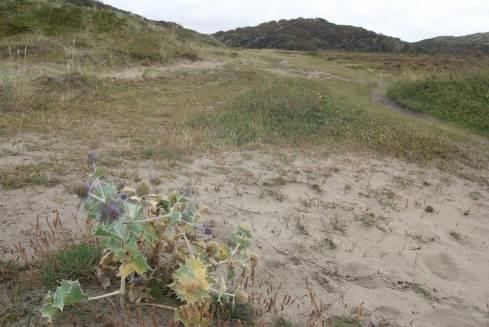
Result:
[[301, 228], [456, 235], [79, 262], [158, 237], [338, 225], [282, 322], [345, 322]]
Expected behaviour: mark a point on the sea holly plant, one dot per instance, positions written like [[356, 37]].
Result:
[[155, 237]]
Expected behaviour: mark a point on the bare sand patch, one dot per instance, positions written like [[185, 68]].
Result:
[[356, 226]]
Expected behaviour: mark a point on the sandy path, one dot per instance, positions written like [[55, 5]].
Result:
[[379, 95]]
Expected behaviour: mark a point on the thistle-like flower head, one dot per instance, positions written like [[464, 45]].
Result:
[[82, 190], [112, 211], [241, 297], [207, 230], [143, 188]]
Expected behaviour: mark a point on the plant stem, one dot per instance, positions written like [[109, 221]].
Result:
[[150, 220], [167, 307], [234, 251], [223, 293], [94, 298], [186, 241], [102, 199], [122, 293]]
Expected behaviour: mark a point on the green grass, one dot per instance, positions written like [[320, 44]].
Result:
[[294, 111], [77, 262], [274, 110], [455, 235], [345, 322], [462, 98], [282, 322]]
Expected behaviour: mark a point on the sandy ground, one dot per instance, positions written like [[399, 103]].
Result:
[[392, 243], [144, 72]]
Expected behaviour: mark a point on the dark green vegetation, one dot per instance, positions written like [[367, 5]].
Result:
[[91, 32], [315, 34], [78, 261], [345, 322], [462, 98], [309, 34]]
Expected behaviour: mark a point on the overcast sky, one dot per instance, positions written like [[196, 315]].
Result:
[[411, 20]]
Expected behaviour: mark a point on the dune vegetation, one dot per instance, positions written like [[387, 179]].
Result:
[[461, 98]]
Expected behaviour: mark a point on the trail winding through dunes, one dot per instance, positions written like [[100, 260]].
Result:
[[379, 95]]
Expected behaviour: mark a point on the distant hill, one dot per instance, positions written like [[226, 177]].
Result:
[[319, 34], [98, 31], [309, 34], [469, 44]]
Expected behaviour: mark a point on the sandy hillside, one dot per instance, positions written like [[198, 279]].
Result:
[[390, 243]]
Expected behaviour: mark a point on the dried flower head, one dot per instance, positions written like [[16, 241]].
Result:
[[241, 297], [82, 189], [203, 210], [143, 188], [254, 258], [212, 248]]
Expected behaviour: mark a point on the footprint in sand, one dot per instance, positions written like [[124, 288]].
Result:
[[443, 266], [355, 272]]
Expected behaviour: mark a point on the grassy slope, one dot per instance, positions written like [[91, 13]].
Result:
[[50, 29], [460, 98]]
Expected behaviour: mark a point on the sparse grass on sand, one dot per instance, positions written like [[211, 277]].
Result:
[[14, 177]]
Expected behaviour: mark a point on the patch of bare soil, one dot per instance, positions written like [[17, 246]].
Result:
[[390, 243], [142, 72]]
